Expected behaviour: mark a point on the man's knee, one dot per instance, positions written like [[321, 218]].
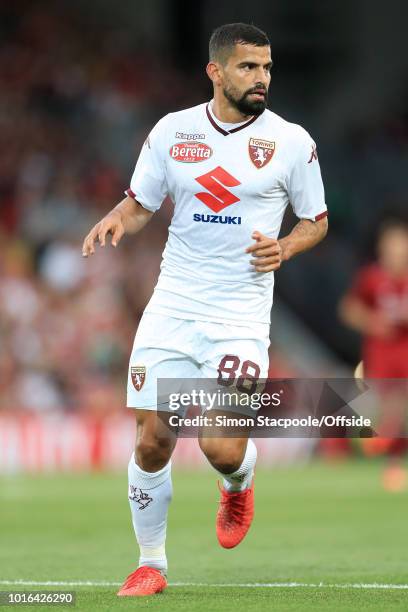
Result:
[[154, 445], [225, 455], [152, 453]]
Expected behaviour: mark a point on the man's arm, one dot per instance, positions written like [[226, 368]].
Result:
[[270, 253], [354, 313], [304, 236], [128, 217]]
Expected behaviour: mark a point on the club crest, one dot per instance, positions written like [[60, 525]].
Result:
[[138, 374], [260, 151]]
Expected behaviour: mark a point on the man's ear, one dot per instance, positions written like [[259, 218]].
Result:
[[213, 70]]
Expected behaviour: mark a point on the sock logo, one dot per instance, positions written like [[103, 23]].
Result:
[[139, 496]]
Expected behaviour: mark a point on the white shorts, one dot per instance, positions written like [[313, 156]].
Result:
[[166, 347]]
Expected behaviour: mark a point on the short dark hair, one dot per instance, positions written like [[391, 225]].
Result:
[[391, 224], [224, 39]]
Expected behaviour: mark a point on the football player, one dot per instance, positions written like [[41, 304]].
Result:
[[231, 167]]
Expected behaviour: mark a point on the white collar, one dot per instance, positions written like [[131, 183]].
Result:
[[223, 124]]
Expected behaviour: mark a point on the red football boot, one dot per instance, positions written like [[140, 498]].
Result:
[[143, 582], [234, 516]]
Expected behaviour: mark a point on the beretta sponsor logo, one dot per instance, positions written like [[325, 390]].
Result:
[[190, 152]]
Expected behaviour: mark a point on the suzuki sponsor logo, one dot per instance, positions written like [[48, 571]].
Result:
[[217, 196], [190, 152], [217, 219]]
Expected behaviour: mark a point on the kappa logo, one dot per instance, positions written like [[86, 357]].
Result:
[[217, 196], [313, 154], [184, 136], [190, 152], [260, 151], [139, 496], [138, 375]]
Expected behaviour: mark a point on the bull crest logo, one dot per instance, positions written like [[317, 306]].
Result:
[[139, 496], [260, 151], [138, 374]]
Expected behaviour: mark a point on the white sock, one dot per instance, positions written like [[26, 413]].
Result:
[[241, 479], [149, 495]]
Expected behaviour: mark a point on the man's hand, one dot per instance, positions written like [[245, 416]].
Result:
[[268, 253], [128, 217], [111, 224]]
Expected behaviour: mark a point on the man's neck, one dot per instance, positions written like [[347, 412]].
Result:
[[226, 113]]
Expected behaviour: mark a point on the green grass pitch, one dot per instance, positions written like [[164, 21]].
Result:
[[319, 523]]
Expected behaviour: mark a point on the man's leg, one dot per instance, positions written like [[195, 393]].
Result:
[[162, 350], [233, 354], [234, 459], [150, 487], [150, 493]]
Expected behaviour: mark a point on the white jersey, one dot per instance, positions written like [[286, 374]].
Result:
[[225, 183]]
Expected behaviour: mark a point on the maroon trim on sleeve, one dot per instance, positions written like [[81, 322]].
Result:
[[130, 193], [321, 216]]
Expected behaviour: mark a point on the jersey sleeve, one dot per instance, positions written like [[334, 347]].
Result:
[[305, 185], [148, 184]]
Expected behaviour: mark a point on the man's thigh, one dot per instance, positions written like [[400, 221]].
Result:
[[236, 364], [233, 351], [162, 349]]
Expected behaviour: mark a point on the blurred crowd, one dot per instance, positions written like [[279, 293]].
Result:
[[75, 108], [71, 122]]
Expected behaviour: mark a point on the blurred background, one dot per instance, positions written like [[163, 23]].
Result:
[[81, 86]]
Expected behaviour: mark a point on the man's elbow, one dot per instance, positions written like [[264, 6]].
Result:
[[323, 227]]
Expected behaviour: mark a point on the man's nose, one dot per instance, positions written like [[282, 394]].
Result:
[[262, 78]]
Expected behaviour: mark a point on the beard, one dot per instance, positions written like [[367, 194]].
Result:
[[242, 102]]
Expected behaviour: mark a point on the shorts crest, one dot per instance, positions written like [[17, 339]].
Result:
[[138, 374]]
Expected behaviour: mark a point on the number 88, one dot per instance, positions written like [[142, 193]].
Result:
[[245, 375]]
